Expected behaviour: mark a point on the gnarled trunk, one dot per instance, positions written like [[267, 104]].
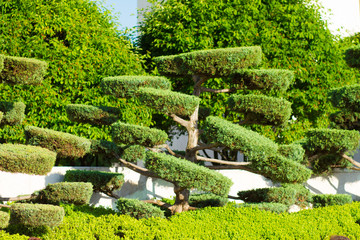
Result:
[[182, 200]]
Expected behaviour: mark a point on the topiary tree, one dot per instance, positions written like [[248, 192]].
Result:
[[279, 163], [291, 34]]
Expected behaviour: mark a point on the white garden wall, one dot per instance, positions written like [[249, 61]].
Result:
[[140, 187]]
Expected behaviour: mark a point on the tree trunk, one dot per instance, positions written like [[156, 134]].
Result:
[[182, 200]]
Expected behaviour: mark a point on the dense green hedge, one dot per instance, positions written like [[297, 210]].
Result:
[[19, 70], [252, 144], [92, 114], [346, 97], [288, 194], [263, 79], [14, 113], [82, 44], [124, 133], [78, 193], [352, 56], [101, 181], [26, 159], [64, 144], [323, 200], [36, 215], [168, 102], [126, 86], [267, 206], [331, 141], [261, 109], [2, 58], [345, 120], [211, 63], [294, 152], [202, 200], [4, 219], [138, 209], [187, 174]]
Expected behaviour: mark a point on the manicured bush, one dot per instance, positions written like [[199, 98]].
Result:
[[264, 79], [294, 152], [207, 200], [168, 102], [352, 56], [124, 133], [137, 209], [252, 144], [346, 97], [211, 63], [36, 215], [345, 120], [261, 109], [187, 174], [102, 181], [14, 113], [4, 219], [331, 141], [26, 159], [64, 144], [323, 200], [19, 70], [267, 206], [92, 114], [127, 86], [78, 193], [2, 58]]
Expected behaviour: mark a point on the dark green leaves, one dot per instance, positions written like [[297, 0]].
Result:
[[92, 114]]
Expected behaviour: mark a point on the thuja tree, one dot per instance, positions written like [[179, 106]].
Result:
[[277, 162]]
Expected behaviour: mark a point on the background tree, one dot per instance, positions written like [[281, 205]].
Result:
[[291, 34]]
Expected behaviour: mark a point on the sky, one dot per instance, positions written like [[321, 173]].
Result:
[[345, 14]]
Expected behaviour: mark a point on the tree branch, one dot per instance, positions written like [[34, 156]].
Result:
[[159, 203], [179, 120], [204, 146], [198, 80], [226, 90], [5, 206], [222, 161], [17, 198], [167, 147], [351, 160], [232, 197]]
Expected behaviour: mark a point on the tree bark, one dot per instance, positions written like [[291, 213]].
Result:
[[181, 200]]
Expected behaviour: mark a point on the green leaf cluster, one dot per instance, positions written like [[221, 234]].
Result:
[[123, 133], [4, 219], [78, 193], [36, 215], [92, 114], [210, 63], [14, 113], [293, 151], [352, 56], [187, 174], [138, 209], [26, 159], [323, 200], [261, 109], [64, 144], [267, 206], [101, 181], [202, 200]]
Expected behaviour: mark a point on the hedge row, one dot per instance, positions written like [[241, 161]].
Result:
[[65, 144], [168, 102], [127, 86], [92, 114], [187, 174], [323, 200], [263, 79], [253, 145], [14, 112], [18, 70], [26, 159], [123, 133], [101, 181], [261, 109], [137, 209], [211, 63]]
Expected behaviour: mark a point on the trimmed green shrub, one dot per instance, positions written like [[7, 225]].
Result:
[[207, 200], [323, 200], [92, 114], [352, 56], [126, 86], [324, 164], [14, 112], [2, 58], [18, 70], [345, 120], [261, 109], [288, 194], [294, 152], [4, 219], [211, 63], [264, 79], [346, 97], [331, 141], [267, 206], [187, 174], [253, 145], [106, 150], [133, 134], [78, 193], [65, 144], [26, 159], [1, 116], [168, 102], [36, 215], [137, 209], [102, 181], [281, 169]]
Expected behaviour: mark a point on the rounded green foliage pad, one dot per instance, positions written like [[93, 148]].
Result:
[[92, 114]]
